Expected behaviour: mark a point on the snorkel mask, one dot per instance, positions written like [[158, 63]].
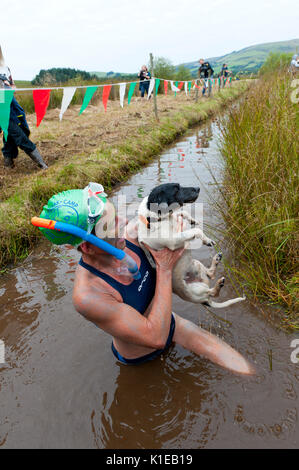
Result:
[[96, 201], [70, 216]]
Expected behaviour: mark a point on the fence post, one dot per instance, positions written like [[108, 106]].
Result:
[[210, 88], [196, 92], [154, 90]]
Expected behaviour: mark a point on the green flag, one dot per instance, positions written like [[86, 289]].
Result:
[[189, 86], [157, 84], [176, 84], [87, 97], [131, 91], [5, 101]]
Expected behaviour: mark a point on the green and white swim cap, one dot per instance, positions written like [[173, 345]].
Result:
[[80, 207]]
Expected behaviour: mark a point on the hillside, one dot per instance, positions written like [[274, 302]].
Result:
[[104, 75], [249, 59]]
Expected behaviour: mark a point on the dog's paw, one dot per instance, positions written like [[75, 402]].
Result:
[[209, 242], [218, 257], [221, 281]]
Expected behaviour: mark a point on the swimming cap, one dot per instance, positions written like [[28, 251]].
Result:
[[80, 207]]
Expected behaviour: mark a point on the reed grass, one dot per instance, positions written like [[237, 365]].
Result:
[[259, 203]]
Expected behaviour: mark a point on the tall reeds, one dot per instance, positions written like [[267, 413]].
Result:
[[261, 148]]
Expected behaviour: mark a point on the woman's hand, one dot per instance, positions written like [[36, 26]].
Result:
[[165, 259]]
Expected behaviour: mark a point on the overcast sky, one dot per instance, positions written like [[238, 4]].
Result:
[[119, 35]]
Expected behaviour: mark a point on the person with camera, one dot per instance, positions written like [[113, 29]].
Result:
[[18, 129], [144, 77]]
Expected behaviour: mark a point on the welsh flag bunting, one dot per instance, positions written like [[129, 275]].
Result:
[[157, 85], [41, 97], [165, 86], [131, 91], [106, 92], [87, 97], [41, 100], [6, 97], [68, 94]]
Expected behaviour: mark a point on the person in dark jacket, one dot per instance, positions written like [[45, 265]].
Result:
[[205, 71], [144, 77], [224, 71], [18, 129]]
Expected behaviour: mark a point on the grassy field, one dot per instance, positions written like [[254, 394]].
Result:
[[261, 148], [95, 146]]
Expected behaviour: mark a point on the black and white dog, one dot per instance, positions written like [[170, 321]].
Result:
[[161, 221]]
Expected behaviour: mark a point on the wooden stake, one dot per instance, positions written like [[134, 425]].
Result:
[[196, 92], [154, 90]]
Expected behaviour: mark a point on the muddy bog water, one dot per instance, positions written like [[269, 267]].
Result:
[[61, 387]]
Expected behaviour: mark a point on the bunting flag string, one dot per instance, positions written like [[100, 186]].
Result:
[[41, 96], [5, 102], [41, 100], [106, 93], [68, 94]]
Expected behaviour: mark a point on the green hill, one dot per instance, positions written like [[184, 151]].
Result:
[[249, 59], [111, 74]]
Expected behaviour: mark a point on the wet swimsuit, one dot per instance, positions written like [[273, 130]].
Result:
[[138, 295]]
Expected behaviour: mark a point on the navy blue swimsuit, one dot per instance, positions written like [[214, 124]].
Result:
[[138, 295]]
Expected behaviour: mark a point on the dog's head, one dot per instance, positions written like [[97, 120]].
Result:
[[167, 198]]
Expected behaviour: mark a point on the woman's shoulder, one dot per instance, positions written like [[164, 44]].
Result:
[[90, 290]]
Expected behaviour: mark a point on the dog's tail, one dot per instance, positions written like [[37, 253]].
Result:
[[225, 304]]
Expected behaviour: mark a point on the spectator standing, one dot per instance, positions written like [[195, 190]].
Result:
[[144, 76], [224, 71], [205, 71], [295, 63], [18, 129]]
